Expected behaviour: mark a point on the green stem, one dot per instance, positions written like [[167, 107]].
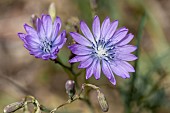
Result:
[[69, 70], [132, 87]]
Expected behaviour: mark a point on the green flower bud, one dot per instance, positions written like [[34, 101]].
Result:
[[33, 20], [52, 11]]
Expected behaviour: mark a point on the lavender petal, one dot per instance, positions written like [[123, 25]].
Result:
[[85, 63], [90, 69], [79, 58], [105, 27], [111, 30], [96, 28], [126, 39], [31, 31], [119, 34], [80, 39], [40, 29], [127, 49], [86, 31], [106, 69], [97, 70], [47, 24], [127, 57], [80, 50]]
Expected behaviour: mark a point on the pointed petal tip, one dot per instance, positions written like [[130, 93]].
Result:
[[43, 14], [135, 57], [131, 34], [71, 61], [82, 22], [106, 18], [116, 21], [25, 25], [63, 33], [95, 17], [114, 83], [57, 17], [19, 34], [97, 78], [87, 77], [72, 33], [69, 47], [124, 28]]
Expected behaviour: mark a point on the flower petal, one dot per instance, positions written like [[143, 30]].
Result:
[[86, 63], [127, 57], [55, 32], [97, 70], [86, 31], [106, 69], [113, 80], [126, 39], [90, 69], [40, 29], [32, 41], [126, 49], [105, 27], [79, 58], [46, 56], [31, 31], [38, 54], [96, 28], [54, 50], [22, 36], [56, 28], [47, 24], [60, 40], [80, 50], [53, 56], [124, 71], [57, 21], [119, 34], [128, 67], [111, 30], [80, 39], [118, 70]]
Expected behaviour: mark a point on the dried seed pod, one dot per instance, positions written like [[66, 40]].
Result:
[[70, 88], [102, 101], [13, 107]]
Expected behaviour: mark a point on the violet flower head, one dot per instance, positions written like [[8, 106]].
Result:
[[104, 49], [45, 41]]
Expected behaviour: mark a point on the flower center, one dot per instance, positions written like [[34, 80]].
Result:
[[101, 52], [104, 50], [46, 46]]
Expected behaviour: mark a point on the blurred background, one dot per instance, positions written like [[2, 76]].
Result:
[[147, 92]]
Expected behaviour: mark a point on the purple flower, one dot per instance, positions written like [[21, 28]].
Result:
[[44, 41], [105, 49]]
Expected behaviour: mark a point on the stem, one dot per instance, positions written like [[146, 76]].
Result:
[[68, 70], [44, 109], [77, 97], [132, 88]]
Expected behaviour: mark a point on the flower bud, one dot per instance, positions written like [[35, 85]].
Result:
[[52, 11], [102, 101], [13, 107], [70, 88], [33, 20]]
